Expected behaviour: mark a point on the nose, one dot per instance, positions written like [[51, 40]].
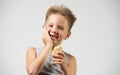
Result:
[[54, 29]]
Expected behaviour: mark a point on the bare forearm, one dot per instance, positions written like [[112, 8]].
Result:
[[70, 69], [35, 66], [68, 73], [65, 71]]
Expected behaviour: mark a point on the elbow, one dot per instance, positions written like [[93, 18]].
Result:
[[31, 71]]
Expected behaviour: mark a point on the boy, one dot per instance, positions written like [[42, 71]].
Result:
[[58, 23]]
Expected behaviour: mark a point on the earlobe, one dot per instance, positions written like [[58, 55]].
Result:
[[67, 36]]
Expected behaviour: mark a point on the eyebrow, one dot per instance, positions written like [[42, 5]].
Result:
[[60, 25]]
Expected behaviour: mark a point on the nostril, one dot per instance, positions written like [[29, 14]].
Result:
[[54, 32]]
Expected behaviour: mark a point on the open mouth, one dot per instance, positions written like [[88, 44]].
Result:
[[54, 37]]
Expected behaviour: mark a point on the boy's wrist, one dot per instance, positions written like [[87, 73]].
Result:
[[65, 71], [49, 46]]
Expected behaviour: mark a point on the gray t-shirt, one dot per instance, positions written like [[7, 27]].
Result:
[[49, 68]]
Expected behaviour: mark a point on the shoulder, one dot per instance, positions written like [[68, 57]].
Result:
[[72, 67], [31, 49], [72, 59]]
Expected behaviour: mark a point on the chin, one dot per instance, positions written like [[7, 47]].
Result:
[[56, 43]]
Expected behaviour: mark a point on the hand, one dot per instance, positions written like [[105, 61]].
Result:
[[46, 37], [60, 58]]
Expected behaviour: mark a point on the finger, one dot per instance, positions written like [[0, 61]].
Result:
[[57, 56], [44, 26], [45, 29], [58, 61], [46, 32], [60, 53]]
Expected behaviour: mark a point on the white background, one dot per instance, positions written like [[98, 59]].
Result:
[[95, 39]]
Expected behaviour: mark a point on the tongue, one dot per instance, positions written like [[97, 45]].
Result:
[[53, 37]]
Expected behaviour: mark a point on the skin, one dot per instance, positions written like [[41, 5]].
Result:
[[55, 31]]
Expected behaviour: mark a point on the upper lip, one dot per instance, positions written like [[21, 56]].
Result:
[[54, 35]]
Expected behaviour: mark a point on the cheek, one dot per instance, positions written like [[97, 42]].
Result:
[[62, 35]]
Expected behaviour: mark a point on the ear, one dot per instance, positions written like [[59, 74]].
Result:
[[68, 35]]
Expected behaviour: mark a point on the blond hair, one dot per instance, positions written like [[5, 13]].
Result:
[[64, 11]]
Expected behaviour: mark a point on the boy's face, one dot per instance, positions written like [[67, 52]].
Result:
[[57, 26]]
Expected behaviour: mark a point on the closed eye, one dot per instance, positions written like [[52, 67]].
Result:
[[50, 25], [61, 28]]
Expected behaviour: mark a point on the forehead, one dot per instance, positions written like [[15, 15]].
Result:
[[57, 18]]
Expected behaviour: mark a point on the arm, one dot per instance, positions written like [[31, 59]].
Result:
[[34, 63], [72, 65], [67, 69], [70, 69]]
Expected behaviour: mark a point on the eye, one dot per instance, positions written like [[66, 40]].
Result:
[[61, 28], [50, 25]]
